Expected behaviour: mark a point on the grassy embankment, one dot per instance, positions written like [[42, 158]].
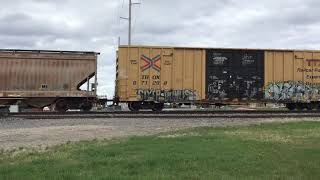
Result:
[[268, 151]]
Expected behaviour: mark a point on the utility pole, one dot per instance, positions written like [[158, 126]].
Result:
[[130, 20]]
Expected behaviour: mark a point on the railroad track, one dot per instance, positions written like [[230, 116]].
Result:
[[169, 114]]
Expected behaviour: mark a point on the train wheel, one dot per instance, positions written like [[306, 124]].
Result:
[[61, 105], [157, 107], [134, 106], [311, 106], [301, 106], [291, 106], [4, 111], [86, 106]]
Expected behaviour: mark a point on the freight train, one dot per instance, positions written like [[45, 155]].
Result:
[[38, 79], [149, 76]]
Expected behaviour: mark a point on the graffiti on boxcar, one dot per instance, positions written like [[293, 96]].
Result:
[[167, 95], [291, 90], [239, 87], [247, 60], [219, 59], [252, 87], [250, 90], [216, 89]]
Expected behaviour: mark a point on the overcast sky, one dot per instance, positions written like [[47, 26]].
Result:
[[95, 26]]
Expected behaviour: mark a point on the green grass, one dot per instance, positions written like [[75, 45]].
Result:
[[268, 151]]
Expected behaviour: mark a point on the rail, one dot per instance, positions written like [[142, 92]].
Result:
[[167, 114]]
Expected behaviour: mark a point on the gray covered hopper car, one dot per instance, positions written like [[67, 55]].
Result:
[[37, 78]]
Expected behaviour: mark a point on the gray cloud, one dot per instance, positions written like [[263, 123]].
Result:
[[95, 25]]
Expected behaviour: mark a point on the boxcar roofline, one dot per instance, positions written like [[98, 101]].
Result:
[[49, 51], [208, 48]]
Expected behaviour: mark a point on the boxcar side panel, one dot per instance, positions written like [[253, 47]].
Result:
[[178, 69], [122, 74], [167, 70], [160, 74], [292, 76], [133, 68]]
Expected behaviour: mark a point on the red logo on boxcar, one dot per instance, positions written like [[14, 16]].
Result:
[[154, 63], [313, 62]]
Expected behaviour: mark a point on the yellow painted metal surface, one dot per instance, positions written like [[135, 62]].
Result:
[[177, 74], [162, 74], [292, 75]]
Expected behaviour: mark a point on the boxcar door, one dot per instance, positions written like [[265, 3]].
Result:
[[249, 68], [234, 74], [218, 75]]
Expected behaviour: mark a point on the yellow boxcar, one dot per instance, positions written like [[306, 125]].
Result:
[[160, 74], [148, 76]]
